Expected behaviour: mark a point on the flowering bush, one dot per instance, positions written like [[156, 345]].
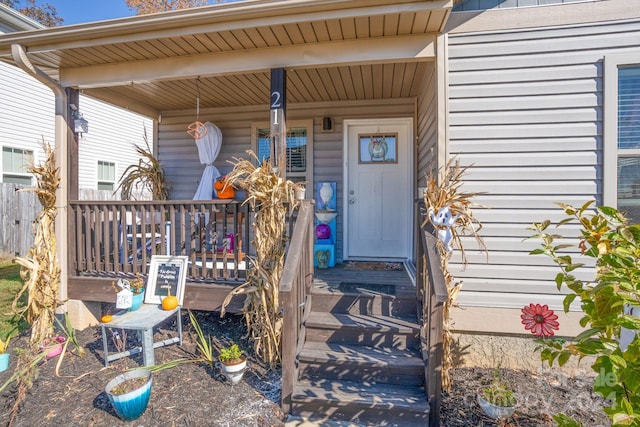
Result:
[[607, 237]]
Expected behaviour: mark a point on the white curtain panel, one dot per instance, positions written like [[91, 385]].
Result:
[[208, 150]]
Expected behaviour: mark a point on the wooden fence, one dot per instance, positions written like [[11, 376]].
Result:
[[18, 211]]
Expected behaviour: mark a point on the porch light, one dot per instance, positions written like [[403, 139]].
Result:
[[80, 124], [327, 124]]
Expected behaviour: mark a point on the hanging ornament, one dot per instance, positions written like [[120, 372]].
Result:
[[197, 129]]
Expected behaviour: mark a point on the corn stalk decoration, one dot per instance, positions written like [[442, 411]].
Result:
[[268, 195], [147, 174], [442, 194], [40, 269]]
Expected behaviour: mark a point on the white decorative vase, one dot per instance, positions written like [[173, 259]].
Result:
[[326, 193]]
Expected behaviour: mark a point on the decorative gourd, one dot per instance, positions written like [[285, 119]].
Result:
[[169, 302], [106, 318], [224, 190]]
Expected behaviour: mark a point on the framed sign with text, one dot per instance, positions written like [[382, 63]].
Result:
[[166, 274]]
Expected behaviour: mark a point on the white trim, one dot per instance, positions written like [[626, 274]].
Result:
[[610, 118], [400, 121]]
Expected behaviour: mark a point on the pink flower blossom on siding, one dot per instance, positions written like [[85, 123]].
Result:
[[539, 320]]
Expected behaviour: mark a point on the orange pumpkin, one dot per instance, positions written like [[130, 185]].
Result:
[[169, 302], [106, 318], [224, 190]]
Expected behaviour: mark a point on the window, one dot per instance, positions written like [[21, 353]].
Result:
[[622, 133], [15, 165], [106, 175], [299, 147]]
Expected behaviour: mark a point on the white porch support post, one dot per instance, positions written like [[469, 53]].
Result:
[[62, 163]]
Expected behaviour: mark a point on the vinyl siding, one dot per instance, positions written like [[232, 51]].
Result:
[[28, 118], [179, 155], [526, 115], [427, 127]]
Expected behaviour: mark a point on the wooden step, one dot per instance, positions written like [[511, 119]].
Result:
[[378, 331], [364, 302], [361, 402], [360, 363]]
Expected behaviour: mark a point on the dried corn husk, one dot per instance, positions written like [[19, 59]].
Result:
[[40, 268], [268, 195], [442, 191]]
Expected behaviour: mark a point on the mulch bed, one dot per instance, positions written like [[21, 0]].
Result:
[[193, 394]]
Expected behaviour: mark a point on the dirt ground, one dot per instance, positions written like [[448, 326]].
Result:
[[193, 394]]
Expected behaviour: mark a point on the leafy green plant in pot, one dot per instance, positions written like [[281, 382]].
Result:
[[232, 362], [497, 399]]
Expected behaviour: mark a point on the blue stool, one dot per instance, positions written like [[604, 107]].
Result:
[[331, 260]]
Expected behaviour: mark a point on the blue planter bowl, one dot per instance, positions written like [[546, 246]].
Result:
[[4, 361], [136, 301], [131, 405]]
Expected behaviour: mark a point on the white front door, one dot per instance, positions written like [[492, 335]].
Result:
[[378, 189]]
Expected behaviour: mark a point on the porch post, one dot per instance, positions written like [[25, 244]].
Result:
[[278, 128]]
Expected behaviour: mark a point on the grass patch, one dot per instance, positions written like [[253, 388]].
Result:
[[10, 284]]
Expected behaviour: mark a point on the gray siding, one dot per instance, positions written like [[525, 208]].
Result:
[[526, 113], [179, 154], [427, 127]]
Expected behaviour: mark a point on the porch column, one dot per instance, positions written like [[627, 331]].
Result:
[[278, 128]]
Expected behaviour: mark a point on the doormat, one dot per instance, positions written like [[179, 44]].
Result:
[[374, 265], [367, 287]]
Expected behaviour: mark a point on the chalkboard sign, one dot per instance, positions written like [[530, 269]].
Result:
[[166, 273]]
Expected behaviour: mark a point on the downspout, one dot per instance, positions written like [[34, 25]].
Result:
[[62, 163]]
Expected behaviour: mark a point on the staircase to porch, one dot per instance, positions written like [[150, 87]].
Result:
[[361, 358]]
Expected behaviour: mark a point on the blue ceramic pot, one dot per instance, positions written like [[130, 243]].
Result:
[[4, 361], [136, 301], [132, 404]]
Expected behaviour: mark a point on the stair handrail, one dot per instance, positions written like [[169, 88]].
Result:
[[295, 292], [432, 294]]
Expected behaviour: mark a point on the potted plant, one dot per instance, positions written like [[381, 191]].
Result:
[[52, 347], [4, 352], [497, 400], [232, 363], [129, 393], [137, 287]]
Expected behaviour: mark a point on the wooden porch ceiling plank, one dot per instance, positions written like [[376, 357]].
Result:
[[388, 74], [321, 31], [408, 78], [308, 33], [177, 46], [261, 40], [358, 84], [405, 23], [195, 44], [238, 86], [294, 33], [243, 38], [420, 22], [348, 26], [437, 18], [316, 79], [347, 82], [278, 33], [79, 58], [397, 82], [367, 80], [376, 26], [335, 30], [376, 73], [328, 83], [208, 43], [362, 27], [331, 53], [220, 42], [308, 84], [295, 88], [391, 25], [150, 49], [217, 90]]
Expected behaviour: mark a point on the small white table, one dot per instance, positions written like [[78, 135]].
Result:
[[144, 320]]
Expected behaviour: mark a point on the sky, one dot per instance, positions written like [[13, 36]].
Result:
[[78, 11]]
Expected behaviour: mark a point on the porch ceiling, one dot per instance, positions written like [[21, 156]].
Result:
[[334, 50]]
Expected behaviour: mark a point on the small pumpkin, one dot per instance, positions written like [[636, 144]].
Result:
[[106, 318], [224, 190], [169, 302]]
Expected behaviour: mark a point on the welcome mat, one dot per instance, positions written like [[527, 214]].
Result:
[[367, 287], [374, 266]]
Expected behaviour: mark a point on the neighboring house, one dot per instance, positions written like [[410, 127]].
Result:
[[532, 98], [27, 120]]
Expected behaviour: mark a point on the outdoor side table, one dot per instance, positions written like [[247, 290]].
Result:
[[144, 320]]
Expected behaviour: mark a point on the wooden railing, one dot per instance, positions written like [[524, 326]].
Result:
[[120, 237], [432, 295], [295, 297]]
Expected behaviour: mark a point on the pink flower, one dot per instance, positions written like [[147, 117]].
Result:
[[539, 320]]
